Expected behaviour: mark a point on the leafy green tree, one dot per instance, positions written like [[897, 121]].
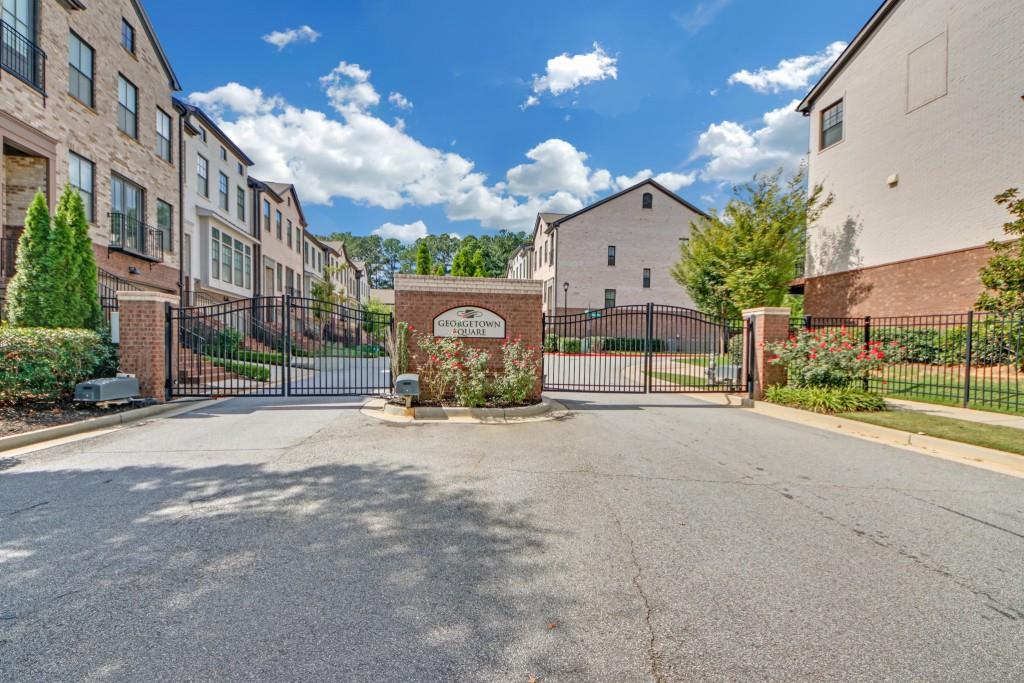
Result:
[[439, 269], [479, 267], [86, 272], [1003, 276], [747, 255], [423, 260], [33, 289], [61, 258], [462, 263]]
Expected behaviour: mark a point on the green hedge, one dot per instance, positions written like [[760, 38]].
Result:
[[569, 344], [260, 373], [268, 358], [42, 365], [633, 344], [826, 399]]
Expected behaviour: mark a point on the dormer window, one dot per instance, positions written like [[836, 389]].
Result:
[[648, 202]]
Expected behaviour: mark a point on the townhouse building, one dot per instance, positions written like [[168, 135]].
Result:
[[220, 242], [617, 251], [353, 276], [281, 227], [914, 130], [315, 263], [86, 99]]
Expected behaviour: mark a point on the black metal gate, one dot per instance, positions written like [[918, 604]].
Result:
[[277, 346], [646, 348]]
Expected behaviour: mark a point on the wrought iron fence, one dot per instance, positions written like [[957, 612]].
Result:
[[972, 359], [20, 56]]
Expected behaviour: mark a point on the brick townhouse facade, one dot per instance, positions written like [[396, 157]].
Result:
[[86, 98]]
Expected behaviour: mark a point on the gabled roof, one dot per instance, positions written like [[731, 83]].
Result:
[[193, 110], [258, 184], [548, 218], [859, 40], [650, 181], [281, 188], [147, 26]]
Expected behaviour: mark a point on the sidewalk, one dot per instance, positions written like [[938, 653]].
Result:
[[980, 416]]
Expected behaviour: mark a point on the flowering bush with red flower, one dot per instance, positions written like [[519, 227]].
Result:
[[519, 373], [440, 365], [832, 358]]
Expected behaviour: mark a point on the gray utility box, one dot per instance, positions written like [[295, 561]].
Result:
[[408, 385], [107, 389]]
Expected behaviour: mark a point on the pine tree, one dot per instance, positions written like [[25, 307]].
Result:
[[32, 287], [423, 260], [439, 269], [65, 308], [479, 267], [86, 273], [460, 264]]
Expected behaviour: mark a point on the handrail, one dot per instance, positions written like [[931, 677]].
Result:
[[19, 55], [131, 235]]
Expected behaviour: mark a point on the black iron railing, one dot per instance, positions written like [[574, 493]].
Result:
[[973, 359], [20, 56], [130, 235]]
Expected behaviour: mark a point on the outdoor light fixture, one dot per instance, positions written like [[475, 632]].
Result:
[[132, 270], [565, 288]]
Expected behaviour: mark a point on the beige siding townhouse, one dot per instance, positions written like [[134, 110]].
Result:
[[353, 277], [281, 228], [86, 98], [617, 251], [914, 129], [314, 254], [220, 244]]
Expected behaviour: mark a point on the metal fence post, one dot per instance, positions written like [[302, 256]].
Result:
[[649, 346], [867, 342], [751, 359], [168, 351], [808, 321], [969, 352], [286, 347]]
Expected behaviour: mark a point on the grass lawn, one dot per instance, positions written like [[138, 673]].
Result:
[[974, 433], [681, 380]]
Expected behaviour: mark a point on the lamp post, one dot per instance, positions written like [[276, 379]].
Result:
[[565, 299]]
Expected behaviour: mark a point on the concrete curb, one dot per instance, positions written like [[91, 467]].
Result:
[[975, 456], [39, 436], [547, 409]]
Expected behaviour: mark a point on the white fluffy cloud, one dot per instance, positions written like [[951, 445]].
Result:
[[568, 72], [399, 100], [406, 233], [790, 74], [358, 156], [702, 15], [282, 39], [736, 152], [673, 181]]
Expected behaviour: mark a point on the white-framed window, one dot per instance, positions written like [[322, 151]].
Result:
[[80, 69], [203, 175], [127, 107], [832, 125], [609, 298], [240, 208], [163, 134], [226, 257], [82, 177], [222, 188], [611, 255], [215, 254], [165, 224]]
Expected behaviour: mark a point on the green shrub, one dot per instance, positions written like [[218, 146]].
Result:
[[519, 373], [260, 373], [828, 400], [633, 344], [226, 342], [267, 358], [831, 358], [551, 343], [735, 350], [920, 344], [569, 344], [39, 365]]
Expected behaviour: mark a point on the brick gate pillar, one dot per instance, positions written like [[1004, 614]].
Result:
[[770, 325], [142, 329]]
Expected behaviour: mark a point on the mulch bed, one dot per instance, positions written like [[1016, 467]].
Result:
[[28, 418]]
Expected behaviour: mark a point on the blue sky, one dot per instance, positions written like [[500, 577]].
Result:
[[470, 116]]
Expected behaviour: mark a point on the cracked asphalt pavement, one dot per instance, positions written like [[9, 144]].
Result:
[[643, 538]]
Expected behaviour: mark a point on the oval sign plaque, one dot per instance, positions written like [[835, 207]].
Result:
[[469, 321]]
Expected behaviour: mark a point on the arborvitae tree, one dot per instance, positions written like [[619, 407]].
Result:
[[68, 308], [479, 267], [460, 264], [439, 269], [423, 260], [87, 274], [32, 289]]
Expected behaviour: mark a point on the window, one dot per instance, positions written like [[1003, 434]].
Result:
[[609, 298], [298, 236], [163, 135], [266, 215], [127, 36], [280, 278], [215, 254], [165, 224], [127, 199], [239, 264], [832, 125], [202, 133], [305, 252], [248, 267], [611, 256], [277, 223], [289, 233], [203, 175], [241, 169], [241, 203], [127, 107], [648, 200], [81, 174], [80, 58], [223, 154], [222, 187], [226, 258], [647, 278]]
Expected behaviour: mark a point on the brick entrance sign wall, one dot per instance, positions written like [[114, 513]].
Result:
[[771, 325], [420, 298], [143, 326]]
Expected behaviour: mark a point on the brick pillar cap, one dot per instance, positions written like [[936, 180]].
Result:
[[159, 297], [766, 310]]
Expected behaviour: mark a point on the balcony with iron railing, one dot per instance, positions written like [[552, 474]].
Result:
[[130, 235], [20, 56]]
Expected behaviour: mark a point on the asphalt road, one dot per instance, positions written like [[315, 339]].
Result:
[[641, 539]]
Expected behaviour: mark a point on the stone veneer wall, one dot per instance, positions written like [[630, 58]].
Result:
[[420, 299]]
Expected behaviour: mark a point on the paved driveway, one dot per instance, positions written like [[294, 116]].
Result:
[[642, 539]]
